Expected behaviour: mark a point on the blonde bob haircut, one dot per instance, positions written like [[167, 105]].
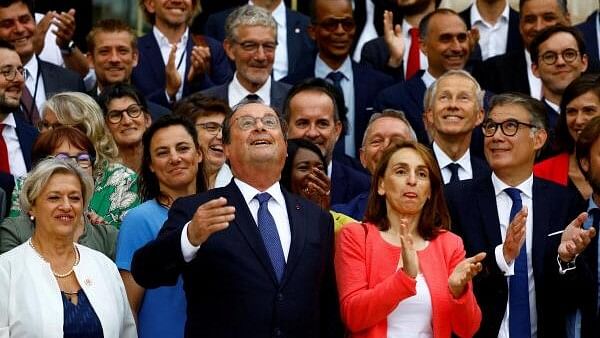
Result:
[[81, 111], [39, 176]]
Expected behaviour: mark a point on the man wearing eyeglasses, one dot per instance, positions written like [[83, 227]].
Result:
[[558, 56], [250, 43], [256, 260], [517, 220]]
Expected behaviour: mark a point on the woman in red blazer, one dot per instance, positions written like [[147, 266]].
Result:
[[402, 273], [579, 104]]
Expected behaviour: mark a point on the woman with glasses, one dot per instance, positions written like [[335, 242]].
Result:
[[208, 114], [72, 145], [115, 189], [170, 170], [579, 104], [127, 117]]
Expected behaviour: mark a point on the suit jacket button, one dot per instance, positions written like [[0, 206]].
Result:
[[277, 332], [280, 296]]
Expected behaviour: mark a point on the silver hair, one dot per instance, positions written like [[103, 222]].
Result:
[[248, 16], [432, 90], [535, 108], [39, 176], [393, 113]]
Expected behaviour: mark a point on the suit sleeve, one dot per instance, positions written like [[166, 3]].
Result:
[[331, 325], [160, 262], [363, 306]]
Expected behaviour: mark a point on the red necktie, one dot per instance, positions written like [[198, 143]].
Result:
[[414, 62], [4, 166]]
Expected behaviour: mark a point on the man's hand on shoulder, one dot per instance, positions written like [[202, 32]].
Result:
[[209, 218]]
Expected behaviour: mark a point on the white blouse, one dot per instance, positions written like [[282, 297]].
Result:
[[412, 317]]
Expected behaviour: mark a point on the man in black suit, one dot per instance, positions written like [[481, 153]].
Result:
[[256, 260], [42, 79], [453, 109], [589, 29], [250, 43], [294, 45], [517, 220]]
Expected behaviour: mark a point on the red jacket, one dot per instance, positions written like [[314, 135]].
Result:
[[555, 169]]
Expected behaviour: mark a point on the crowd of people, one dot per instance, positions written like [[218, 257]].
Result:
[[366, 168]]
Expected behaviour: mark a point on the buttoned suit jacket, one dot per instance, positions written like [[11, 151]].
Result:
[[473, 210], [230, 285], [149, 74], [279, 91]]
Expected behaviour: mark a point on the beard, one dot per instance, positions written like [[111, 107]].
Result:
[[7, 106], [417, 7]]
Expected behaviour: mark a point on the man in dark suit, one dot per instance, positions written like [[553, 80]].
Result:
[[256, 261], [42, 79], [517, 220], [172, 63], [450, 52], [454, 111], [251, 43], [333, 30], [590, 34], [512, 71], [294, 46], [112, 52], [312, 113]]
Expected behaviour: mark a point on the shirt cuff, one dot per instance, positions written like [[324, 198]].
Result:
[[563, 267], [188, 249], [507, 268]]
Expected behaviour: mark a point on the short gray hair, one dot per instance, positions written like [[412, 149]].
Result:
[[393, 113], [248, 15], [432, 90], [535, 108], [39, 176]]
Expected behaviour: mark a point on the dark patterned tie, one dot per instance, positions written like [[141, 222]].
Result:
[[270, 236], [28, 105], [519, 324], [454, 170]]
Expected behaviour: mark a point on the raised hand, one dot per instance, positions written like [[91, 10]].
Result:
[[172, 76], [393, 39], [317, 188], [473, 38], [410, 261], [575, 239], [515, 236], [199, 62], [463, 273], [40, 32], [65, 23], [209, 218]]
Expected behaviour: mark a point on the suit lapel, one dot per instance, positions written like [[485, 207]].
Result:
[[155, 60], [542, 212], [294, 40], [188, 53], [486, 202], [298, 231]]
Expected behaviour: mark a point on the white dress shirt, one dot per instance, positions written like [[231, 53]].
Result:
[[16, 161], [413, 316], [535, 84], [180, 54], [236, 92], [277, 208], [368, 33], [504, 204], [321, 71], [280, 65], [553, 105], [492, 37], [465, 172], [407, 43], [33, 78], [428, 79]]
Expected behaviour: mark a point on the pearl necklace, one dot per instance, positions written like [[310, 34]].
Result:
[[57, 275]]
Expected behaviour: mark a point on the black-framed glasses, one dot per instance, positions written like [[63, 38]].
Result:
[[509, 127], [253, 46], [332, 24], [10, 73], [212, 128], [133, 111], [83, 159], [550, 58], [248, 122]]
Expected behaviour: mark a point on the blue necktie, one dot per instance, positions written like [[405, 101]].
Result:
[[519, 324], [454, 170], [336, 79], [269, 234]]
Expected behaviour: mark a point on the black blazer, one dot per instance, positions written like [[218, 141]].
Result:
[[230, 285], [472, 205], [590, 35], [58, 79], [347, 182], [279, 93]]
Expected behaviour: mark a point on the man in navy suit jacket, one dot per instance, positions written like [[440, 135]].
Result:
[[294, 45], [172, 63], [245, 275], [251, 43], [590, 34], [522, 252]]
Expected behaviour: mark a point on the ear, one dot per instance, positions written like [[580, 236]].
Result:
[[423, 46], [135, 58], [539, 139], [148, 119], [584, 61], [90, 59], [535, 70], [228, 47], [311, 30], [381, 188], [585, 165], [362, 156], [149, 4], [200, 155], [429, 116], [480, 116], [338, 130]]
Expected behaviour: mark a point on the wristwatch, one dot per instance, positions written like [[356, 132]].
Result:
[[69, 49]]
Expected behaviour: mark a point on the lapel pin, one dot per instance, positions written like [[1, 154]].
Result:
[[297, 206], [297, 30]]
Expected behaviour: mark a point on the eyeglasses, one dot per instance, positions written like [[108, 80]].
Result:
[[248, 122], [509, 127], [83, 159], [253, 46], [10, 73], [332, 24], [212, 128], [550, 58], [133, 111]]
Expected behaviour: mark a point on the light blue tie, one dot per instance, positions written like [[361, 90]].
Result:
[[519, 324], [269, 234]]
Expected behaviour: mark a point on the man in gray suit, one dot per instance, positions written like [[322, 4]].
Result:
[[250, 43]]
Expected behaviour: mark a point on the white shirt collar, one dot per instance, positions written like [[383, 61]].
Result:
[[9, 120], [526, 186], [249, 192], [427, 78], [237, 92], [405, 29], [552, 105], [279, 15], [476, 16], [443, 159], [163, 42], [32, 67], [322, 69]]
